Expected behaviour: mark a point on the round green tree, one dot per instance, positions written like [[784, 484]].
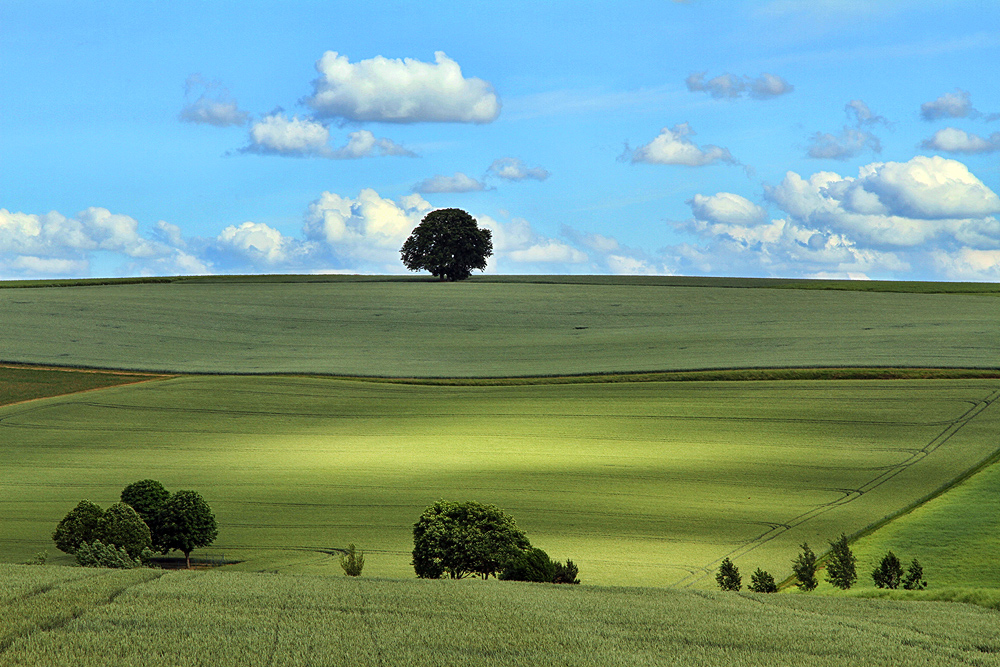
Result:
[[889, 572], [146, 497], [78, 526], [462, 539], [122, 527], [185, 523], [762, 581], [449, 244]]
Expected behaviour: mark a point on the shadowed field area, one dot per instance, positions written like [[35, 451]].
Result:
[[498, 327]]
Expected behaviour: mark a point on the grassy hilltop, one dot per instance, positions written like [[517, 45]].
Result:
[[409, 327]]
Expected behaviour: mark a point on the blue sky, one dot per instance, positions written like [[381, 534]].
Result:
[[786, 138]]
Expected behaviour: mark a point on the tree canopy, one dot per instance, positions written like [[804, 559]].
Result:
[[461, 539], [146, 497], [449, 244], [185, 523], [840, 569], [80, 525]]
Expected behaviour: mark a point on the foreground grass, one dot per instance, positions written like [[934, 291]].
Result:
[[646, 483], [528, 326], [227, 619]]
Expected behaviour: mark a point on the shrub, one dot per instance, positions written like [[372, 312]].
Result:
[[804, 567], [762, 582], [98, 554], [353, 561], [889, 572], [38, 559], [728, 576], [840, 570], [531, 565], [914, 579], [566, 574], [78, 526], [123, 527]]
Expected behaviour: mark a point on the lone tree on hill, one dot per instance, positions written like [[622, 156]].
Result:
[[804, 567], [185, 523], [889, 572], [459, 539], [449, 244], [728, 576], [840, 570]]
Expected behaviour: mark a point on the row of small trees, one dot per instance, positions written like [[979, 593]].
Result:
[[472, 539], [841, 571], [148, 519]]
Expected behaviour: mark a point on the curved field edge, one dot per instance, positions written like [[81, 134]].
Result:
[[12, 370], [228, 618]]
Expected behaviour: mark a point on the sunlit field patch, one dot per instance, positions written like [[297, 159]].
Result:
[[639, 483]]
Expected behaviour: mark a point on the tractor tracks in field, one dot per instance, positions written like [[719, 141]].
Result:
[[848, 495]]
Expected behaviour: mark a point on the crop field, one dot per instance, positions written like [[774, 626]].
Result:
[[495, 327], [646, 483], [955, 535], [69, 616]]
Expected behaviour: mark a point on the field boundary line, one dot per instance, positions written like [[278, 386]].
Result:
[[779, 528], [725, 374], [144, 377]]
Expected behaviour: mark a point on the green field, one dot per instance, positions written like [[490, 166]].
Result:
[[646, 483], [498, 327], [69, 616]]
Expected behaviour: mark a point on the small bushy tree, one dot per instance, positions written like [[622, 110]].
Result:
[[889, 572], [762, 582], [122, 526], [185, 523], [804, 567], [530, 565], [840, 569], [80, 525], [461, 539], [728, 576], [353, 561], [98, 554], [566, 574], [914, 579]]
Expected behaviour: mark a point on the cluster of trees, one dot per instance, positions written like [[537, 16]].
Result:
[[148, 519], [473, 539], [841, 571]]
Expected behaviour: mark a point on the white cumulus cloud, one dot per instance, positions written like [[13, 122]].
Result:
[[513, 169], [954, 140], [368, 230], [277, 134], [458, 183], [400, 91], [674, 146], [950, 105]]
